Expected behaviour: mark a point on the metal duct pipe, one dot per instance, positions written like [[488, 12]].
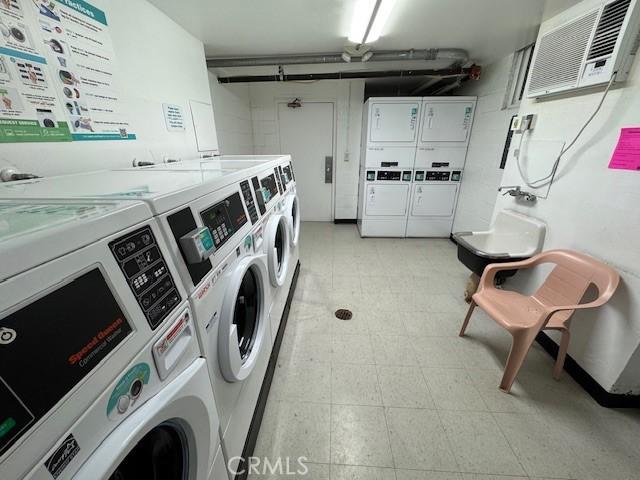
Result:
[[455, 55]]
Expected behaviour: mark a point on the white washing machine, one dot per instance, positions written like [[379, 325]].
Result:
[[383, 202], [187, 203], [121, 389], [434, 195]]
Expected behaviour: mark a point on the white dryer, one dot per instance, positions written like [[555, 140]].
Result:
[[383, 202], [390, 131], [434, 195], [121, 387]]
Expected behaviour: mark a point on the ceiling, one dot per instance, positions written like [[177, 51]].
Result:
[[488, 29]]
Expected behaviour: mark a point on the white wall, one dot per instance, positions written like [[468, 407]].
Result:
[[482, 173], [232, 110], [348, 96], [159, 63], [594, 210]]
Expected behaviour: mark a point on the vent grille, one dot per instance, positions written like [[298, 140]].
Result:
[[608, 30], [559, 58]]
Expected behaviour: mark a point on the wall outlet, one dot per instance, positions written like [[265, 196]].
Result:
[[516, 124]]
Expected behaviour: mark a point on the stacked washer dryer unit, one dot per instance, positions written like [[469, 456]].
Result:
[[100, 370], [209, 221], [389, 139], [422, 145], [442, 150]]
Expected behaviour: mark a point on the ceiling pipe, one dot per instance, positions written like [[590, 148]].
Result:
[[440, 73], [456, 56]]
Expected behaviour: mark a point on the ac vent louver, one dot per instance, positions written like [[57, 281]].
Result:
[[608, 29], [559, 58]]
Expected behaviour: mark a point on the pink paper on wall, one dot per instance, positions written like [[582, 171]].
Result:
[[626, 156]]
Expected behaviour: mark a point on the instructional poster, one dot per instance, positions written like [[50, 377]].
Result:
[[58, 75]]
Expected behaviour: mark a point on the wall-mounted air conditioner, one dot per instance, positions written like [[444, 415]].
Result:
[[586, 50]]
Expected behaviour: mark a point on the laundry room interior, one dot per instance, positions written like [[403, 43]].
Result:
[[323, 240]]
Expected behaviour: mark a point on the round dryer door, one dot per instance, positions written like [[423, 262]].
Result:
[[277, 241], [292, 210], [243, 319]]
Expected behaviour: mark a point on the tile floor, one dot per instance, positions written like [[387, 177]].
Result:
[[395, 394]]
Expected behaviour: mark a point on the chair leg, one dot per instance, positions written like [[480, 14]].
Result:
[[519, 348], [562, 354], [472, 306]]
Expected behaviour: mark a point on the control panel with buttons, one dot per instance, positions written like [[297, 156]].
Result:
[[406, 176], [438, 176], [224, 219], [419, 177], [149, 278], [371, 176], [248, 201]]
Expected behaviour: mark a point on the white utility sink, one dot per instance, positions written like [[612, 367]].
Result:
[[513, 236]]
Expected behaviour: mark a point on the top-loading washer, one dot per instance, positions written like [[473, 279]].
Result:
[[122, 374]]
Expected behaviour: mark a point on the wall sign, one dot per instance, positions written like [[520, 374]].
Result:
[[58, 77], [173, 117], [626, 156]]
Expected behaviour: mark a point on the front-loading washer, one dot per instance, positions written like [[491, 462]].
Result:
[[235, 299], [91, 312]]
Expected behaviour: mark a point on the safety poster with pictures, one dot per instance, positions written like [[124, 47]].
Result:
[[58, 74]]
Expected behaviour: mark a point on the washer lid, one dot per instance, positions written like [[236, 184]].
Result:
[[277, 249], [34, 232], [243, 319]]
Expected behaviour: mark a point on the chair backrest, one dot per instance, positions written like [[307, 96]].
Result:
[[571, 277]]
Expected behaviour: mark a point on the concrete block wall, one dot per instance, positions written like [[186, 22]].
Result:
[[232, 110], [482, 173]]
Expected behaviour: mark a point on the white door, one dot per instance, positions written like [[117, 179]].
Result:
[[387, 200], [393, 123], [433, 200], [307, 134], [446, 121]]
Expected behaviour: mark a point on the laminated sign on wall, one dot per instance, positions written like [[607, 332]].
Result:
[[58, 75]]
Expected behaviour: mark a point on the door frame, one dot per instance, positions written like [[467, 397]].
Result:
[[334, 140]]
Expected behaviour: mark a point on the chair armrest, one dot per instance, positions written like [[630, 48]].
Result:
[[580, 306], [489, 274]]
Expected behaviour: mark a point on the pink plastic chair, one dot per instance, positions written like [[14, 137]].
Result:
[[551, 307]]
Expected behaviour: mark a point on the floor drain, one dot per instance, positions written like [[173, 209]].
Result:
[[344, 314]]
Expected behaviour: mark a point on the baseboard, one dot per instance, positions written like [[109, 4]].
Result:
[[256, 420], [586, 381], [350, 221]]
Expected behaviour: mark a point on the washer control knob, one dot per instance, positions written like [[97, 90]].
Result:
[[123, 403]]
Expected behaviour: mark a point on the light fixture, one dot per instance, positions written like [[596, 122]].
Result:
[[369, 19]]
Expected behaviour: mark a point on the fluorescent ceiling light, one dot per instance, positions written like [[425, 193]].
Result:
[[369, 19]]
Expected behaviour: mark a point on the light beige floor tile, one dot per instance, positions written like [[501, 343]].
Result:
[[302, 380], [392, 350], [296, 471], [427, 324], [352, 349], [346, 282], [354, 385], [480, 476], [478, 443], [312, 347], [452, 389], [438, 352], [426, 475], [418, 440], [350, 472], [486, 383], [541, 448], [295, 429], [384, 322], [359, 436], [404, 387]]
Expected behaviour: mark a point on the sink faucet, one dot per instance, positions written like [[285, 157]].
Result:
[[515, 191]]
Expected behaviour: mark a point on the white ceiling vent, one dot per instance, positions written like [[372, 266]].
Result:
[[587, 49]]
